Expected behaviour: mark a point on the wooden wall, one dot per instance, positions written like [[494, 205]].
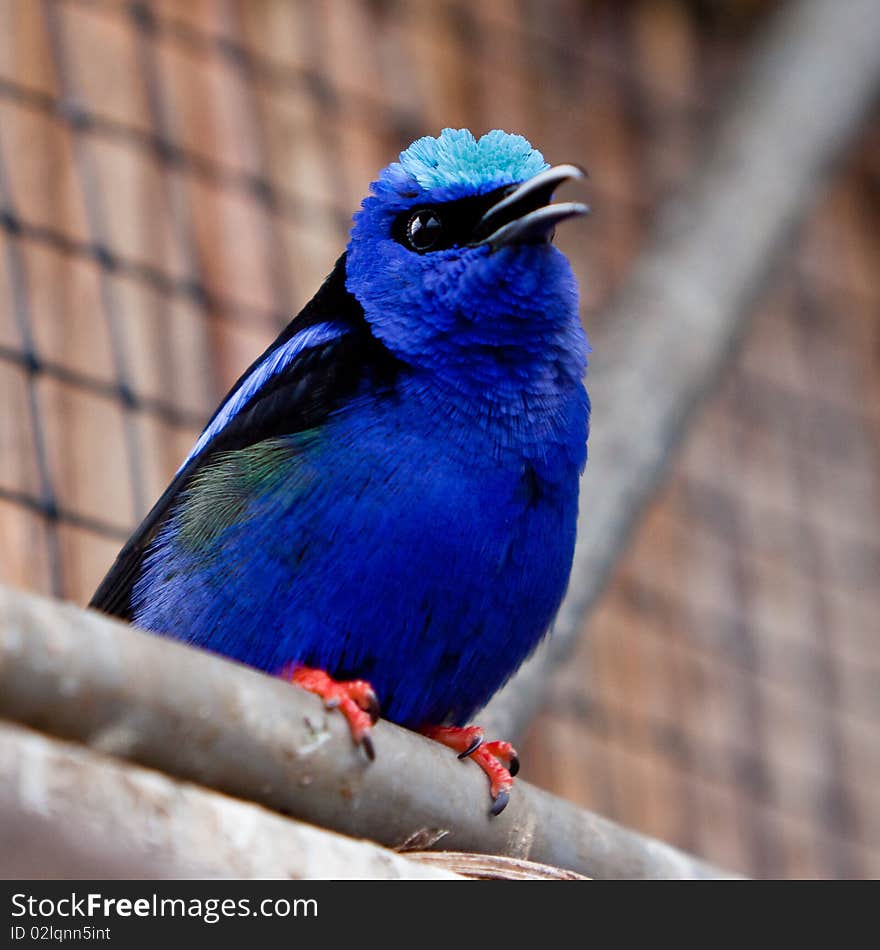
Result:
[[177, 177]]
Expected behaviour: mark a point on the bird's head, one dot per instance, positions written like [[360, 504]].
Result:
[[451, 255]]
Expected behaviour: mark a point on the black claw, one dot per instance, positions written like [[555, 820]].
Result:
[[373, 709], [369, 748], [513, 768], [500, 803], [472, 748]]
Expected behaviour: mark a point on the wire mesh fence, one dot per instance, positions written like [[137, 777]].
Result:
[[175, 181], [174, 185]]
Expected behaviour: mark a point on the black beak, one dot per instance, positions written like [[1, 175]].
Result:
[[525, 215]]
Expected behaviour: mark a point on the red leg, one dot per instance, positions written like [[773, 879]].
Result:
[[355, 699], [497, 759]]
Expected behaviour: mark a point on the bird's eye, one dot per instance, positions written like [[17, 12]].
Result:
[[423, 230]]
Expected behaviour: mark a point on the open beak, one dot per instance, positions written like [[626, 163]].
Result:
[[526, 214]]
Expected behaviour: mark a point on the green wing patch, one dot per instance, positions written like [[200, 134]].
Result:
[[221, 492]]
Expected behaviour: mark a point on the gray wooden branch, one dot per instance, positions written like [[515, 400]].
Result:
[[804, 91], [67, 812], [78, 675]]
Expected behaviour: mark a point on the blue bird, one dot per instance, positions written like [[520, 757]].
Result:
[[383, 507]]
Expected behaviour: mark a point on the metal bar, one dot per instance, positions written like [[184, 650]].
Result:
[[79, 675]]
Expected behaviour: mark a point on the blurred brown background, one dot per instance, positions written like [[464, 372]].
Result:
[[177, 177]]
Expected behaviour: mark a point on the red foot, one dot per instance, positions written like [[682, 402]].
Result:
[[355, 699], [497, 759]]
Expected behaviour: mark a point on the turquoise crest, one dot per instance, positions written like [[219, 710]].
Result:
[[456, 157]]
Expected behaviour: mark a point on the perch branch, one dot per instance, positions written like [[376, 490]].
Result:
[[66, 812], [81, 676]]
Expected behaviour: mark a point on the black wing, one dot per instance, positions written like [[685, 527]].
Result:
[[299, 397]]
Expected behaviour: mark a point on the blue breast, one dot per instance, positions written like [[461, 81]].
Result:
[[398, 545]]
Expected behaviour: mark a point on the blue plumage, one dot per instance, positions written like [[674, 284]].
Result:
[[390, 492]]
